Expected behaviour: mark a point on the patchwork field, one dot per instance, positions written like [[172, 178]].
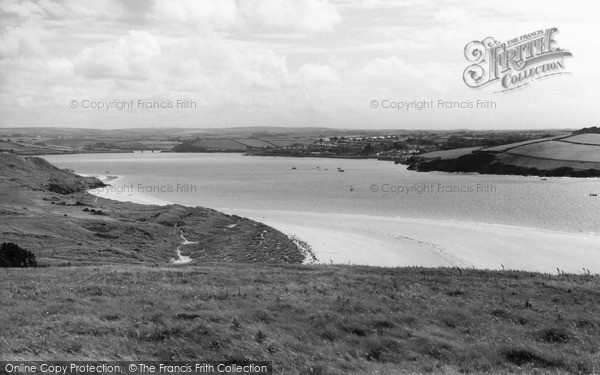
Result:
[[543, 164], [559, 151], [159, 145], [588, 139], [254, 142], [449, 154], [288, 142], [219, 144], [26, 149], [572, 156], [503, 148]]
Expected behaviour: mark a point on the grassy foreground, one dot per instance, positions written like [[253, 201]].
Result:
[[306, 319]]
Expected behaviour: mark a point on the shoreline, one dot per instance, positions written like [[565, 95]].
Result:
[[397, 241]]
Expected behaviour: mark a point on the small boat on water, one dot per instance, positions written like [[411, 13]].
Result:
[[593, 195], [543, 179], [294, 168], [351, 188], [340, 170]]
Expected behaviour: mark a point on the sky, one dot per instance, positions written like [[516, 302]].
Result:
[[291, 63]]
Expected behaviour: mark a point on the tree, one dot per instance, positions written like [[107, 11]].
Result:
[[400, 145], [368, 149], [11, 255]]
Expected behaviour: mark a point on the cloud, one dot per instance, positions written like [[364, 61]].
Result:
[[97, 9], [452, 15], [201, 14], [130, 57], [244, 60], [290, 15], [60, 67], [380, 4], [389, 72], [261, 69], [23, 41], [319, 74], [25, 9]]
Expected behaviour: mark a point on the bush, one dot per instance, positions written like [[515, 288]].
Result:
[[554, 335], [522, 356], [11, 255]]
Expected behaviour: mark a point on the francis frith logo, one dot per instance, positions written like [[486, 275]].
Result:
[[514, 63]]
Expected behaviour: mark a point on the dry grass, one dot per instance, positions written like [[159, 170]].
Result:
[[306, 319]]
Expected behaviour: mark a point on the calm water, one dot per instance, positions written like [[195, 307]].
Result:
[[233, 181]]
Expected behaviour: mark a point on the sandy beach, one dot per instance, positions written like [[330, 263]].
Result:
[[396, 241], [119, 192]]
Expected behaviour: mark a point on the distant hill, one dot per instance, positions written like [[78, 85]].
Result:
[[234, 145], [573, 156], [593, 129]]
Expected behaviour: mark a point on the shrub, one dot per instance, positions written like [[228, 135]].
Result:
[[260, 337], [11, 255], [554, 335], [522, 356]]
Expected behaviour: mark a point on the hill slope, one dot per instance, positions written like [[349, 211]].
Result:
[[47, 211], [37, 174], [572, 156]]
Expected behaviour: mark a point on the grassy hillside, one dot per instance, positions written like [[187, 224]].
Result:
[[578, 152], [586, 139], [37, 174], [560, 151], [47, 211], [219, 144], [449, 154], [28, 148], [254, 143], [307, 319], [574, 156], [509, 146]]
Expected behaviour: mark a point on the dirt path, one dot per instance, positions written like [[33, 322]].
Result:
[[182, 259]]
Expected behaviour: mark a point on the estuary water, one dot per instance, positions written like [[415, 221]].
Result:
[[374, 212]]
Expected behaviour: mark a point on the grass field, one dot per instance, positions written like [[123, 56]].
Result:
[[26, 149], [559, 151], [219, 144], [449, 154], [288, 142], [543, 164], [129, 145], [590, 139], [160, 145], [69, 142], [254, 142], [503, 148], [306, 319]]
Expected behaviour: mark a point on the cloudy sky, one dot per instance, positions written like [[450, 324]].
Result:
[[284, 63]]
